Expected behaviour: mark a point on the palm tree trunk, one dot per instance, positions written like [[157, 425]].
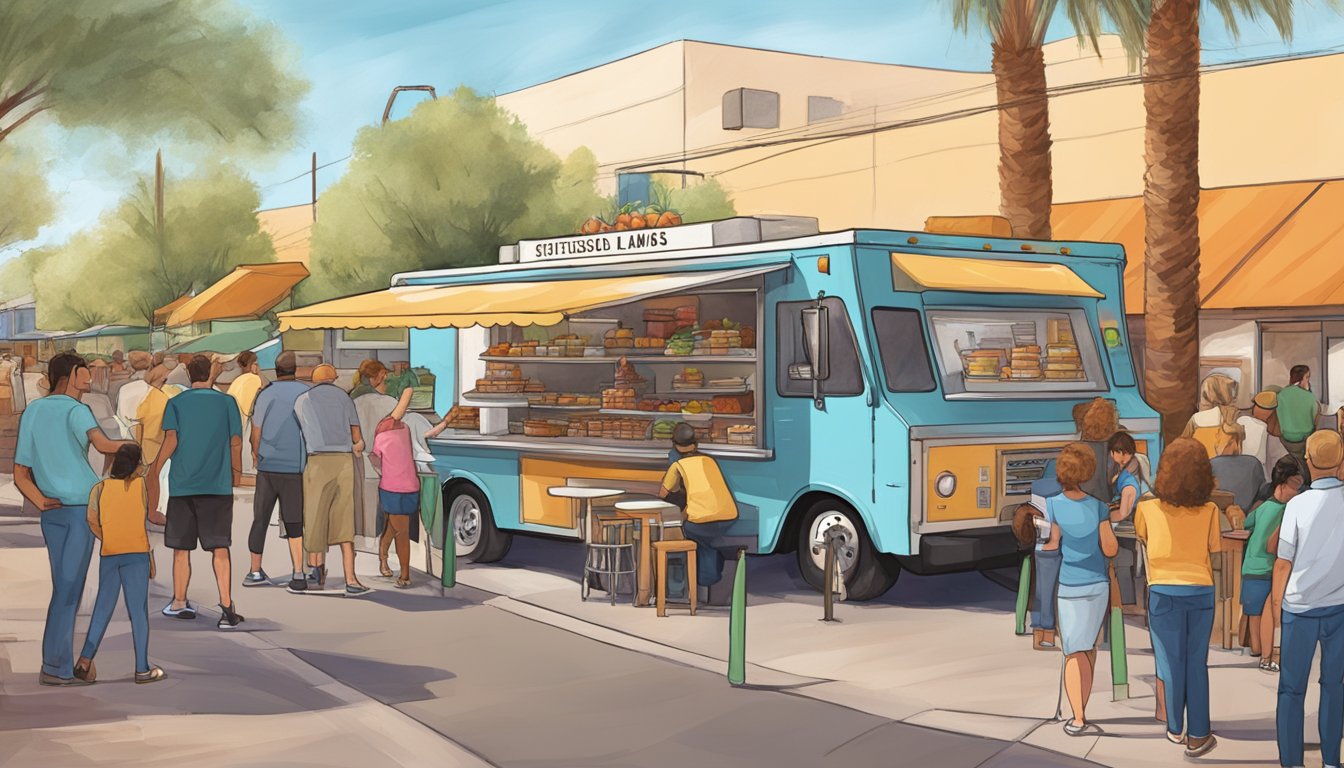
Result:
[[1170, 203], [1024, 136]]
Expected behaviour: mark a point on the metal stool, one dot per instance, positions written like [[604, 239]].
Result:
[[611, 554], [661, 550]]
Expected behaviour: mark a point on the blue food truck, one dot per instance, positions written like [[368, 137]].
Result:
[[902, 388]]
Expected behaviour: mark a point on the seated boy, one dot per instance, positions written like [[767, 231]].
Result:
[[710, 509]]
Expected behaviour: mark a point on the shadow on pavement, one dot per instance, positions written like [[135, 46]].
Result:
[[387, 682]]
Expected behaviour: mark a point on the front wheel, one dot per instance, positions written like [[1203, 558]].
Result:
[[473, 526], [867, 573]]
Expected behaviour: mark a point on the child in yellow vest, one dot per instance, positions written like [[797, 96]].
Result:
[[118, 508]]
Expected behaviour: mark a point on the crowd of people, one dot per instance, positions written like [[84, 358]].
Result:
[[1292, 570], [180, 455]]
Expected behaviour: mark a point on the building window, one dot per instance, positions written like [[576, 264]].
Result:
[[846, 374], [821, 108], [750, 108]]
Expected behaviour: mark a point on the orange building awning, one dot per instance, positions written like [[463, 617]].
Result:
[[162, 314], [1237, 225], [248, 292]]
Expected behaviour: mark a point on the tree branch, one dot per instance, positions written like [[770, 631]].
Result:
[[4, 132]]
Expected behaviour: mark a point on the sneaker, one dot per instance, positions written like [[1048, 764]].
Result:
[[318, 576], [256, 579], [45, 679], [356, 590], [154, 675], [298, 584], [229, 618], [185, 612], [1200, 747]]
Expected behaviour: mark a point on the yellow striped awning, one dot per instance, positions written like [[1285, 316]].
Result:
[[541, 302]]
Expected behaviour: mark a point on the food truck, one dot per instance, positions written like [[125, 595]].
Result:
[[902, 388]]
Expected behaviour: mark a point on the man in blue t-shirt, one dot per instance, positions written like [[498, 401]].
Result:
[[51, 470], [202, 434], [279, 455]]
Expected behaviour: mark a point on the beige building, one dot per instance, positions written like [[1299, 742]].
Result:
[[859, 144]]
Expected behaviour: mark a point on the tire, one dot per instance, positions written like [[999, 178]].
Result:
[[472, 524], [868, 574]]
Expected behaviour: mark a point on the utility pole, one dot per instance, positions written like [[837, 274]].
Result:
[[314, 186]]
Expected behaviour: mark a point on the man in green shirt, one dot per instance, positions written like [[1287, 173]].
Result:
[[1297, 410], [1257, 566]]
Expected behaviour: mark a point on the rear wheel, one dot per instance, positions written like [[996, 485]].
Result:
[[472, 524], [867, 573]]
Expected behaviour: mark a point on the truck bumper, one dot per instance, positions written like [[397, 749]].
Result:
[[978, 549]]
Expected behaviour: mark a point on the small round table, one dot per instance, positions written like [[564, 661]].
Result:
[[577, 494], [649, 513]]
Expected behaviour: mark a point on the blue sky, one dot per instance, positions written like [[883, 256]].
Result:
[[355, 52]]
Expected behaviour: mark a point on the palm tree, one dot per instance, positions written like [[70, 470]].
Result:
[[1171, 198], [1017, 30]]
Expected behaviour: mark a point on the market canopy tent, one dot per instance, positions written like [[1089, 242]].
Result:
[[1252, 238], [913, 272], [162, 314], [101, 331], [248, 292], [500, 303]]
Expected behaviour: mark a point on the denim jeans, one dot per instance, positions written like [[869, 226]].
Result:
[[69, 547], [709, 562], [1180, 621], [1047, 584], [1301, 633], [118, 574]]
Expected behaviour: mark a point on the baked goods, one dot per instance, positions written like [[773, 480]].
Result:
[[734, 404], [609, 428], [742, 434], [1025, 363], [464, 417], [619, 399], [660, 315], [650, 343], [545, 427], [626, 375], [619, 339], [659, 406], [689, 378], [503, 378]]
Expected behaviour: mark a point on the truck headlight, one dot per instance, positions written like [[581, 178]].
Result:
[[945, 485]]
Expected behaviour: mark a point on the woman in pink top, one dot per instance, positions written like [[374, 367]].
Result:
[[398, 488]]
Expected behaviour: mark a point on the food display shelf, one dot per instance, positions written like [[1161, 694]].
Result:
[[652, 451], [707, 416], [612, 359]]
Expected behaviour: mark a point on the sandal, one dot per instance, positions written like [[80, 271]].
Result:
[[86, 670], [403, 583], [383, 570], [1266, 665], [154, 675], [1074, 730]]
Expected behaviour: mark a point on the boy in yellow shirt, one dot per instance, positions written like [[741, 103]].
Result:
[[710, 508]]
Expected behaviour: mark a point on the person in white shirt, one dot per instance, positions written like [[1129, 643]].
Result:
[[1309, 577], [132, 393]]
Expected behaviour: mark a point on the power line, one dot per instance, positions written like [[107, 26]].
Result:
[[307, 172]]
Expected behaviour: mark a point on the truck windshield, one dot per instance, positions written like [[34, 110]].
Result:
[[1015, 352]]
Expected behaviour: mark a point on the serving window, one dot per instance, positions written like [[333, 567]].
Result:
[[1015, 351], [623, 374]]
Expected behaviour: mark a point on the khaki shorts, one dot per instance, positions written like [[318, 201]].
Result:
[[328, 501]]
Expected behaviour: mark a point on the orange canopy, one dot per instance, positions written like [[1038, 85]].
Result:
[[1237, 227], [249, 291]]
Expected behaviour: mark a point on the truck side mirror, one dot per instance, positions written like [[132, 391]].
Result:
[[817, 340]]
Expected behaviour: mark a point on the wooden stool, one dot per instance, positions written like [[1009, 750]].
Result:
[[661, 548]]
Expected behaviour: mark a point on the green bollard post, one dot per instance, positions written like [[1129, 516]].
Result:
[[737, 624], [1023, 595], [1119, 665]]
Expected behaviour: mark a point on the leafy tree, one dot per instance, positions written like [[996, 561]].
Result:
[[699, 201], [16, 274], [25, 201], [129, 265], [1017, 30], [199, 68], [443, 187]]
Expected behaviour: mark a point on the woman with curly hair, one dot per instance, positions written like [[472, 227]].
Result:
[[1080, 528], [1180, 529], [1097, 420]]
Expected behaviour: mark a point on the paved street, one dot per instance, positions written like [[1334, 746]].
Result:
[[512, 691]]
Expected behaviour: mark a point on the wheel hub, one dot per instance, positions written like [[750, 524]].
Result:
[[466, 521], [847, 554]]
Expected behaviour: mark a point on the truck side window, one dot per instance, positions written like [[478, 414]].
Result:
[[846, 377], [905, 354]]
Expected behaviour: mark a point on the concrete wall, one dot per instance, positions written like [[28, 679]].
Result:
[[1270, 122]]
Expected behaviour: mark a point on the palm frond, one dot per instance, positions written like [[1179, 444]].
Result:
[[1279, 12], [1128, 19], [982, 14]]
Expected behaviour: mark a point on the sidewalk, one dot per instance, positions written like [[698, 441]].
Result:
[[220, 687], [937, 651]]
